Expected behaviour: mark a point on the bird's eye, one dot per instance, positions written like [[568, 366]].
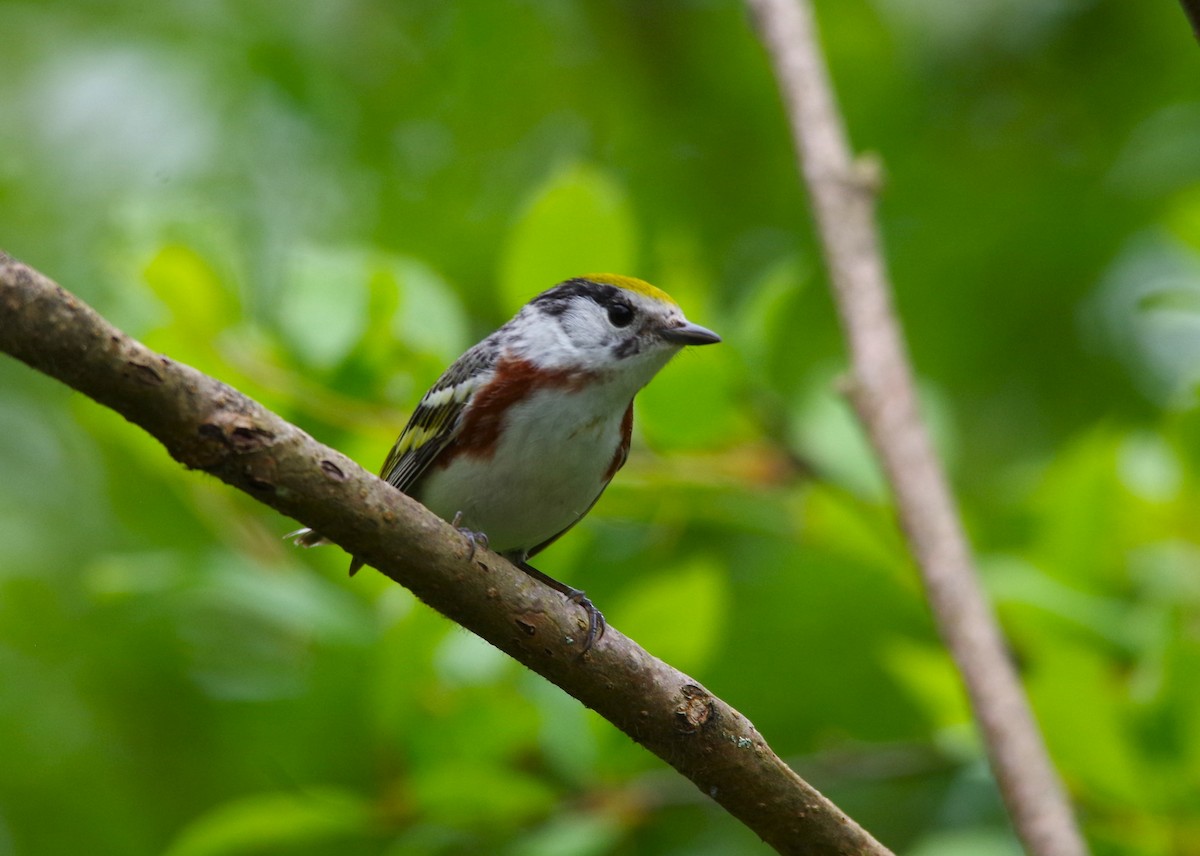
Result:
[[620, 314]]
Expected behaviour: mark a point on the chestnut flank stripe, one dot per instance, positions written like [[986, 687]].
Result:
[[514, 381]]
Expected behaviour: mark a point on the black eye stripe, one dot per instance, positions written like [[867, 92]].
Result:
[[609, 297]]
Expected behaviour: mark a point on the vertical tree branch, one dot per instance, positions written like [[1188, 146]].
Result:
[[882, 391]]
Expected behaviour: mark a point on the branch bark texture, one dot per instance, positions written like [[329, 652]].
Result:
[[881, 389], [207, 425]]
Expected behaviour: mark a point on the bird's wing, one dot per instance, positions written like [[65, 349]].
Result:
[[436, 421], [438, 418]]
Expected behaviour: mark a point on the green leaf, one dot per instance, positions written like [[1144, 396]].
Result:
[[323, 309], [463, 659], [1170, 300], [429, 319], [1149, 467], [571, 834], [1081, 519], [273, 822], [191, 289], [250, 632], [931, 680], [564, 736], [1014, 582], [578, 222], [692, 404], [968, 842], [678, 614], [1080, 698], [475, 793], [1183, 218], [764, 322], [827, 432]]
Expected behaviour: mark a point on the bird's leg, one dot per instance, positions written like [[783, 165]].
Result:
[[596, 623], [475, 539]]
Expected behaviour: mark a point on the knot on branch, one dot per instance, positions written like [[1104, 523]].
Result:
[[142, 372], [868, 173], [237, 432], [229, 442], [332, 470], [695, 710]]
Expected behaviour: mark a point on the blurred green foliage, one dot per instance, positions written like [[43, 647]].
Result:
[[324, 203]]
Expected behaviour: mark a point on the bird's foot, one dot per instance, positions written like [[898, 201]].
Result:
[[475, 540], [596, 622]]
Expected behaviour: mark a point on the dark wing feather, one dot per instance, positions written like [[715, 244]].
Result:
[[436, 421], [438, 418]]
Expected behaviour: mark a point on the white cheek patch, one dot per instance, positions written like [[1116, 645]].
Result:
[[588, 327]]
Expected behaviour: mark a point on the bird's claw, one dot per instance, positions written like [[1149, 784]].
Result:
[[475, 540], [596, 622]]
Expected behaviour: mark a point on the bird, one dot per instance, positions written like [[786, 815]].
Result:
[[519, 437]]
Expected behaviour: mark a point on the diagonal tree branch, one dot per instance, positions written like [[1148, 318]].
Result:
[[882, 391], [207, 425]]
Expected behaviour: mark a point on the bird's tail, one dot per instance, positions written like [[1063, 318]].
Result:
[[307, 538]]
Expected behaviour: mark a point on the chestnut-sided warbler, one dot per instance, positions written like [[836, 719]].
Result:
[[519, 437]]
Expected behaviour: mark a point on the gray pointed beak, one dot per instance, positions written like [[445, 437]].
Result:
[[690, 334]]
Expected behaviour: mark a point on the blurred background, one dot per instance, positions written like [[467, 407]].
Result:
[[324, 203]]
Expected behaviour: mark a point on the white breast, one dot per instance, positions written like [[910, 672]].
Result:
[[545, 472]]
